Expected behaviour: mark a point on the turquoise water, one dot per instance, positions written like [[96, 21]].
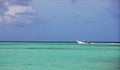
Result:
[[59, 56]]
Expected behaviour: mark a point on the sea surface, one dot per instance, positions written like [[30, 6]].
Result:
[[59, 56]]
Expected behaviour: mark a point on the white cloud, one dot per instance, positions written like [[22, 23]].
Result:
[[19, 19], [9, 20], [22, 15], [17, 14], [13, 10]]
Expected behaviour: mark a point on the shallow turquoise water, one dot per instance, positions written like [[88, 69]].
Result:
[[59, 56]]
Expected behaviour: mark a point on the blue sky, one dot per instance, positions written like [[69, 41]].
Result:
[[59, 20]]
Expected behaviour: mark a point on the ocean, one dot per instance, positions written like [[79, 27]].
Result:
[[59, 56]]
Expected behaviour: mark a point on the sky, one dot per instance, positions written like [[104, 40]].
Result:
[[60, 20]]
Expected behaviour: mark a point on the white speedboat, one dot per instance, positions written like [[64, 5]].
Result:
[[82, 42]]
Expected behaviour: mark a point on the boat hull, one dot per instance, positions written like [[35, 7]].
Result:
[[81, 42]]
